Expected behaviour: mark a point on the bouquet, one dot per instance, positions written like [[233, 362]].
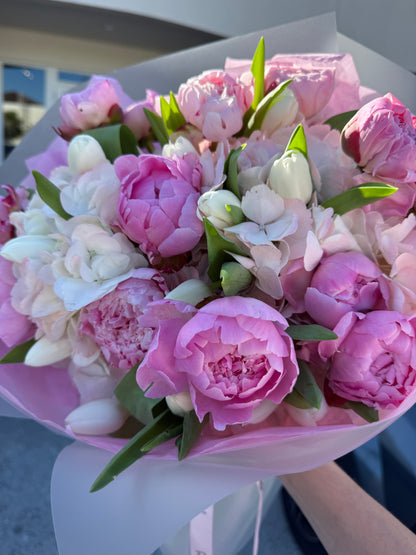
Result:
[[218, 270]]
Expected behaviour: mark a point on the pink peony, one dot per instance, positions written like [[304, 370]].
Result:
[[323, 84], [215, 102], [230, 355], [113, 321], [15, 328], [381, 138], [101, 103], [344, 282], [157, 207], [135, 118], [373, 359], [11, 202]]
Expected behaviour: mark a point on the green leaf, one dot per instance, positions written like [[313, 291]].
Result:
[[368, 413], [310, 332], [50, 194], [297, 141], [236, 213], [234, 277], [359, 196], [115, 140], [133, 398], [158, 126], [306, 393], [166, 426], [217, 246], [231, 170], [18, 353], [340, 120], [268, 101], [192, 429], [257, 69], [171, 114]]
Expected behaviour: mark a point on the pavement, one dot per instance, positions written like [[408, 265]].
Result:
[[28, 452]]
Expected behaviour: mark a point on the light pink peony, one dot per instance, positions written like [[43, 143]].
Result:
[[344, 282], [374, 358], [113, 321], [215, 102], [157, 207], [135, 118], [323, 84], [381, 138], [15, 328], [230, 355], [101, 103]]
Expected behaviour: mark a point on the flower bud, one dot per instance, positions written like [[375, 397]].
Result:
[[45, 352], [192, 291], [307, 417], [84, 154], [212, 205], [27, 246], [282, 113], [96, 418], [290, 177], [263, 411], [180, 403]]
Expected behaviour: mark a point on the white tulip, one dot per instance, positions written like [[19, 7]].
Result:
[[212, 205], [180, 403], [45, 352], [307, 417], [84, 154], [27, 246], [290, 177], [97, 418], [261, 412], [282, 113], [192, 291]]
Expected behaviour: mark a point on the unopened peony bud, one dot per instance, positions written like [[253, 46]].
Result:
[[192, 291], [290, 177], [179, 403], [97, 418], [45, 352], [307, 417], [84, 154], [212, 205], [282, 113]]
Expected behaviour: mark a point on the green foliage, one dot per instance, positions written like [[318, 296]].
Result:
[[18, 353], [306, 393], [310, 332], [115, 140], [359, 196], [50, 194]]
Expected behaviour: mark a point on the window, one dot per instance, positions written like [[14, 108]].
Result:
[[27, 94]]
